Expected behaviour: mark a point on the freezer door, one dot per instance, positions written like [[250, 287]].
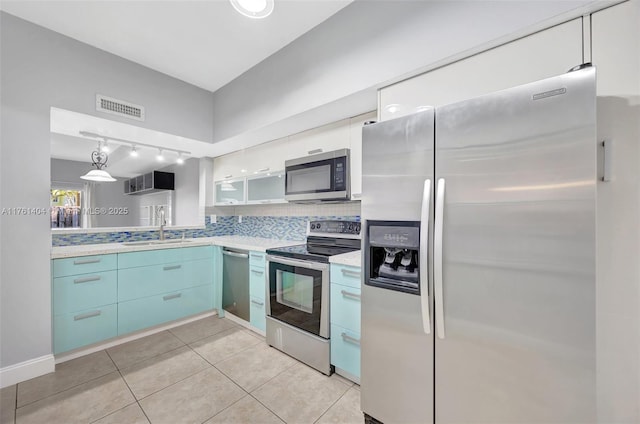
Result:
[[396, 349], [516, 171]]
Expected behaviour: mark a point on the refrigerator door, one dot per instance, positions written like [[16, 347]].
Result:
[[396, 339], [517, 258]]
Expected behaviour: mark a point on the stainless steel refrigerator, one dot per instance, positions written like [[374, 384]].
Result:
[[478, 299]]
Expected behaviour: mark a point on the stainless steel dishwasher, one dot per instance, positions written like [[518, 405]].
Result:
[[235, 282]]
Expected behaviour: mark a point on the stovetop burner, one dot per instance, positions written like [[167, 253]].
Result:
[[324, 239]]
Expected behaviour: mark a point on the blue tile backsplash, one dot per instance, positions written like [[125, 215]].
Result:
[[277, 227]]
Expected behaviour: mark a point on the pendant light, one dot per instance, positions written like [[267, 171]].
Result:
[[99, 160]]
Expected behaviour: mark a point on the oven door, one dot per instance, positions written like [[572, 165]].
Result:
[[299, 294]]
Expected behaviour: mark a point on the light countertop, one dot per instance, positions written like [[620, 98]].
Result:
[[351, 259], [238, 242]]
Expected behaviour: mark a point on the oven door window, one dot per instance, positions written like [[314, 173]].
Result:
[[295, 296]]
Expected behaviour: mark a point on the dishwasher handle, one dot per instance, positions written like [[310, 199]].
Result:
[[235, 255]]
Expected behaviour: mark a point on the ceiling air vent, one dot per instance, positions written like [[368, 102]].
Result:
[[119, 107]]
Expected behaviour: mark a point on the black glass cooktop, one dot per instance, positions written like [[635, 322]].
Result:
[[317, 249]]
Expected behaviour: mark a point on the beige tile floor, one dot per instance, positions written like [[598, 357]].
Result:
[[208, 371]]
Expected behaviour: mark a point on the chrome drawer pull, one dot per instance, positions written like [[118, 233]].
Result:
[[349, 294], [349, 273], [255, 302], [86, 261], [172, 296], [87, 315], [86, 279], [169, 268], [350, 339], [255, 271]]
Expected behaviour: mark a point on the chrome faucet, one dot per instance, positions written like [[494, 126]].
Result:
[[163, 222]]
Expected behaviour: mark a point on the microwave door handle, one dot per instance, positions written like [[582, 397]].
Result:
[[424, 257]]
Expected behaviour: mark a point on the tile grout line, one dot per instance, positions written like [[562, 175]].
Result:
[[151, 357], [267, 408], [61, 391], [333, 404], [130, 391]]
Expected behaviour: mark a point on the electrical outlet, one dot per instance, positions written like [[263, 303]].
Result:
[[213, 219], [239, 219]]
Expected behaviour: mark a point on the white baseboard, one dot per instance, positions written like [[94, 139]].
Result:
[[27, 370]]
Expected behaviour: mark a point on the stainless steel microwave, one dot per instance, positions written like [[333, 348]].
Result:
[[320, 177]]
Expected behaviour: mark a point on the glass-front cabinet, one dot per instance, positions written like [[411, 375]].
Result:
[[256, 189], [230, 192], [266, 188]]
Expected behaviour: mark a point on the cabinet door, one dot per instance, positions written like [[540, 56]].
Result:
[[345, 351], [85, 327], [257, 313], [153, 310], [84, 265], [345, 307], [78, 292], [540, 55], [266, 188], [231, 192], [257, 282], [355, 129]]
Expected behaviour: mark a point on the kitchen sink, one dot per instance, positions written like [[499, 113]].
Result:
[[152, 242]]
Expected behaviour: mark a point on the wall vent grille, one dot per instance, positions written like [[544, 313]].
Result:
[[119, 107]]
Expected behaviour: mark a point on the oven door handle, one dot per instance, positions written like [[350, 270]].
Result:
[[299, 263]]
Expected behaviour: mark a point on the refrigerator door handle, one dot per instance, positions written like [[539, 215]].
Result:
[[437, 259], [424, 257]]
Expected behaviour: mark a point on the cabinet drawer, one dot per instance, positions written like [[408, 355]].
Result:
[[257, 315], [345, 307], [257, 282], [149, 311], [162, 256], [345, 275], [77, 292], [84, 265], [258, 259], [82, 328], [134, 283], [345, 350]]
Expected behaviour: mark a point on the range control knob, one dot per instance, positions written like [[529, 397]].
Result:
[[313, 226]]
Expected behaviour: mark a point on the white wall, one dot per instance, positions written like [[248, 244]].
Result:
[[40, 69], [332, 72], [186, 196]]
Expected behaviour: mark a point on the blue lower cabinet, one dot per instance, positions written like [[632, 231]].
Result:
[[345, 350], [135, 283], [84, 327], [146, 312], [257, 316], [78, 292]]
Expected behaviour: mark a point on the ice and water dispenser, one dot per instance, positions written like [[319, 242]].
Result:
[[392, 253]]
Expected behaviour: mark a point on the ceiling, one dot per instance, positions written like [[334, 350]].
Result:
[[205, 43]]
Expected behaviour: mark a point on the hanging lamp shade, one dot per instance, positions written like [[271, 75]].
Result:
[[98, 175]]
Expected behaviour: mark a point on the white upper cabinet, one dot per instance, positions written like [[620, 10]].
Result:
[[540, 55], [270, 158], [326, 138], [355, 129]]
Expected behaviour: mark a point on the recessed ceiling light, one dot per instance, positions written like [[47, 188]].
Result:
[[255, 9]]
